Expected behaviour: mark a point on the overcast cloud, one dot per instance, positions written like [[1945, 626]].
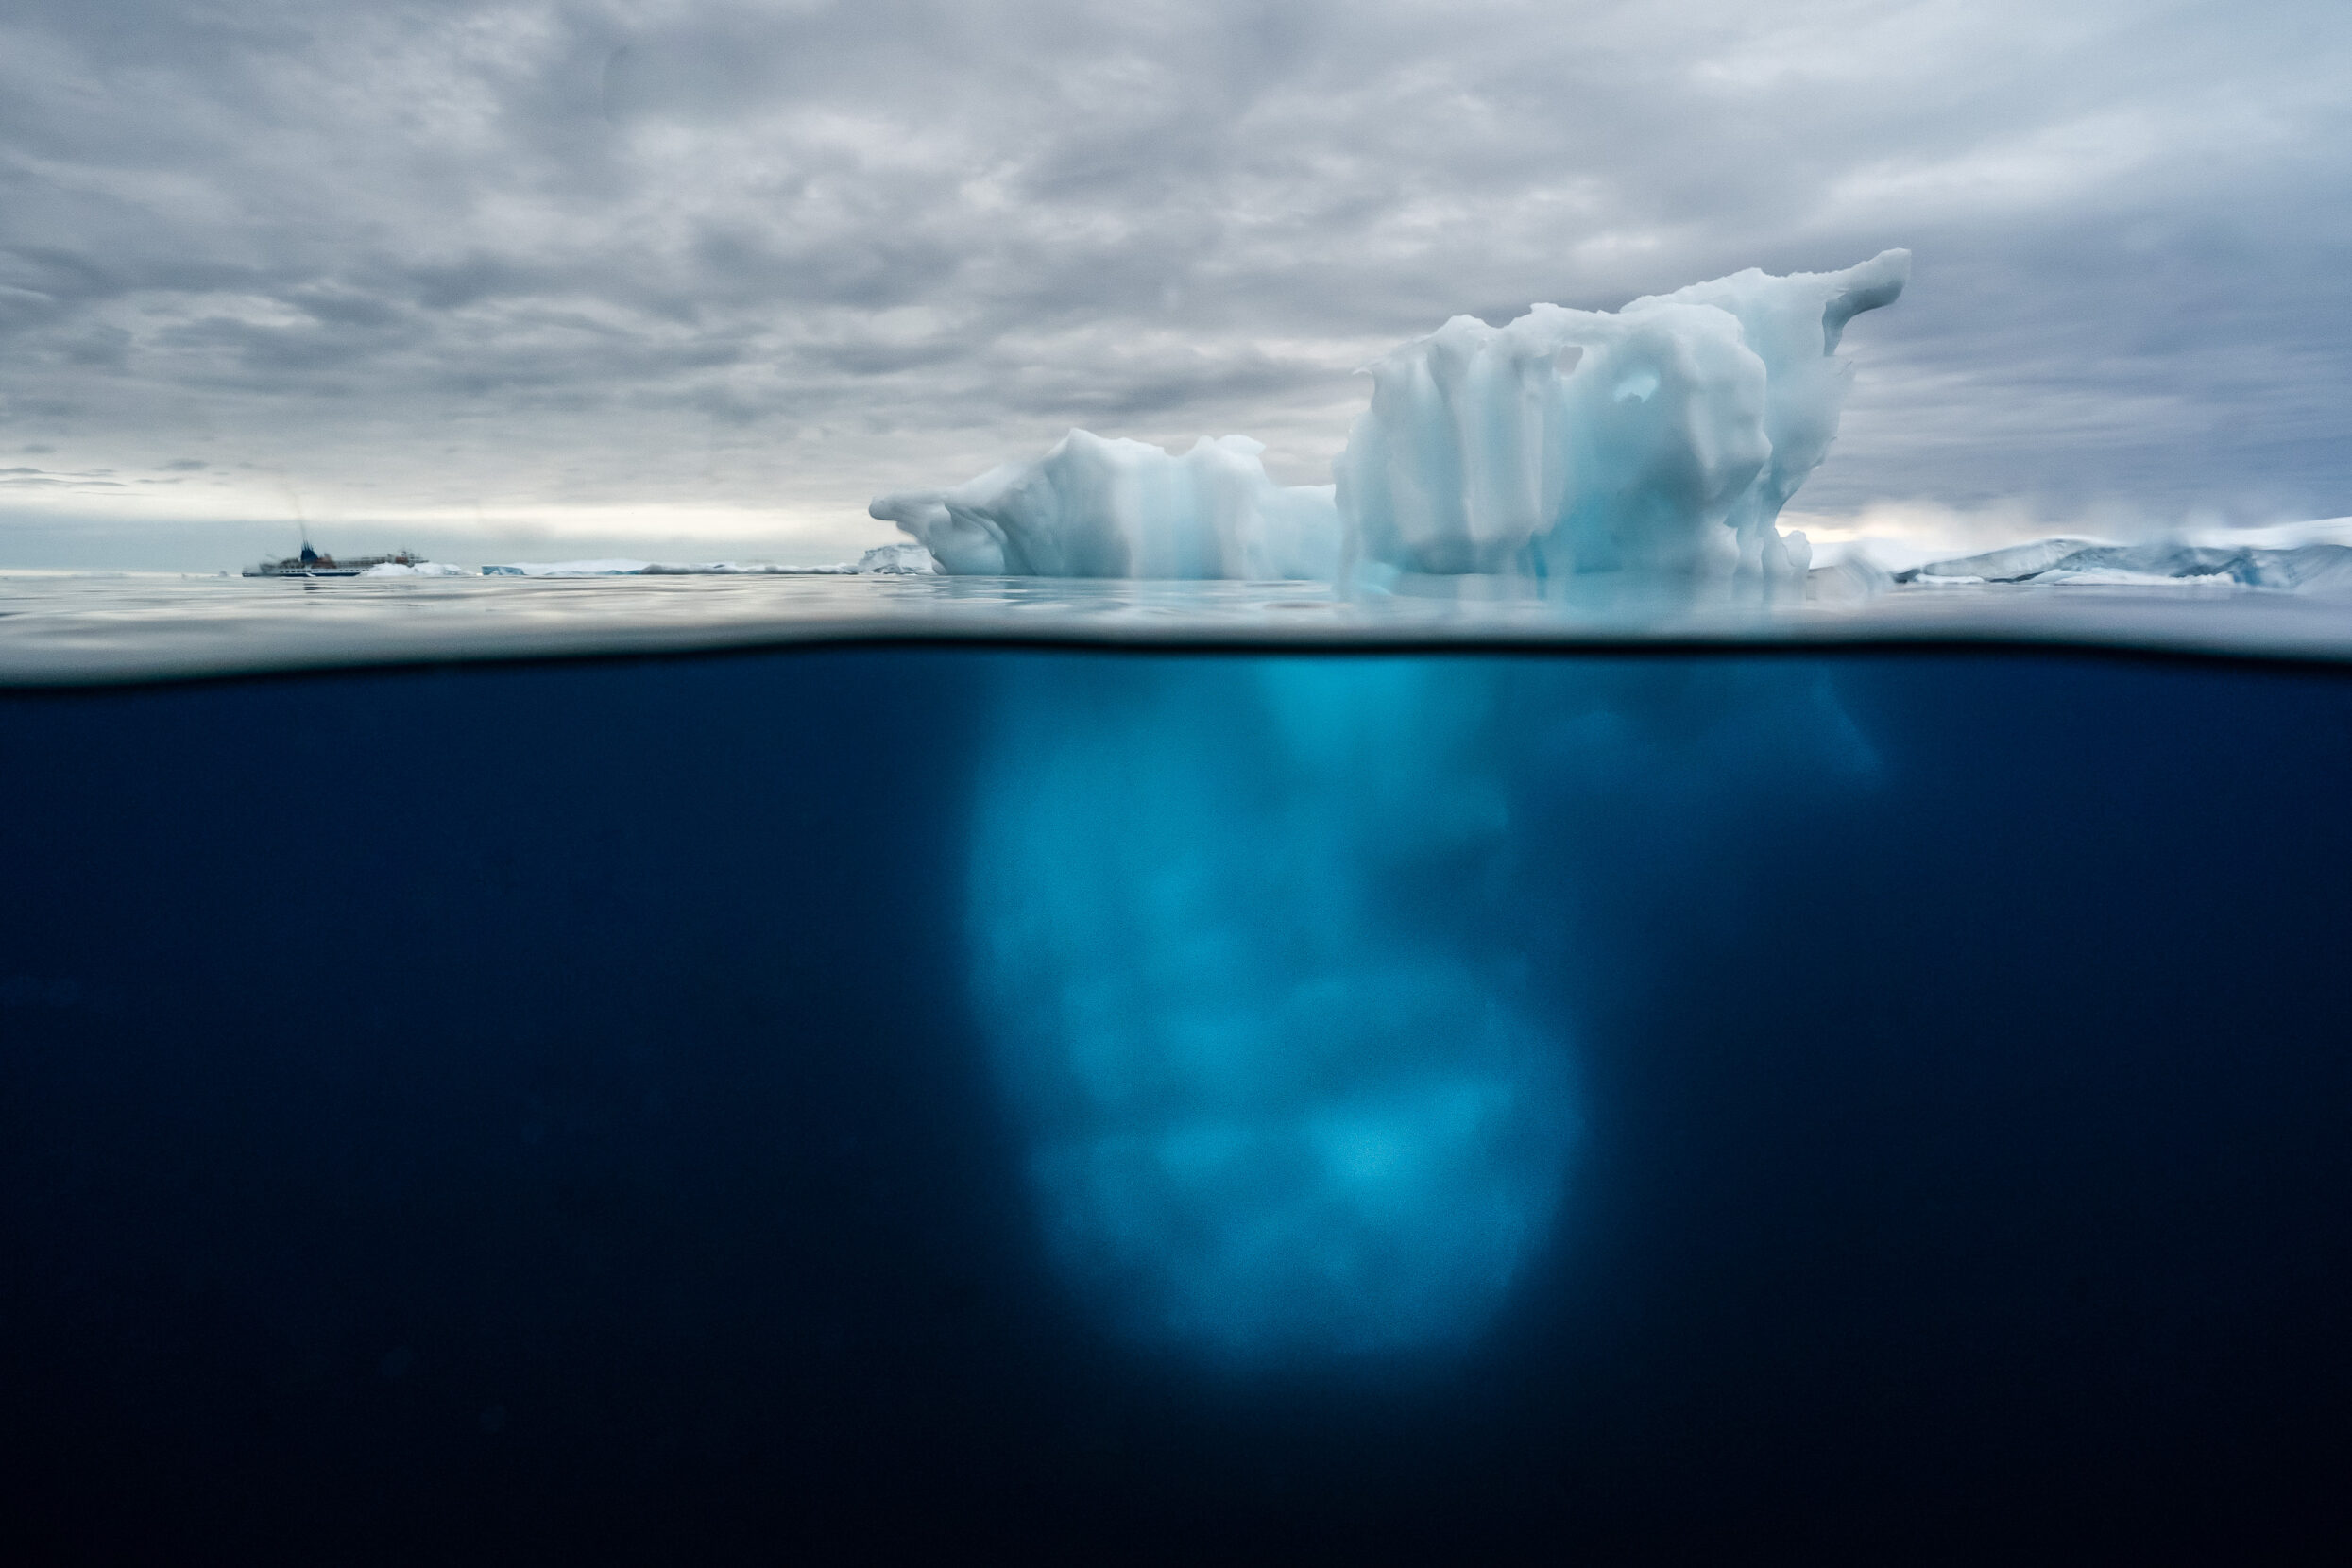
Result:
[[703, 273]]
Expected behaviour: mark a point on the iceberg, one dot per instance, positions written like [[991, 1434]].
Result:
[[1092, 507], [896, 559], [1663, 438]]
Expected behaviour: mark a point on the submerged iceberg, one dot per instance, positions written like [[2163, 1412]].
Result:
[[1661, 438], [1270, 1113], [1287, 967]]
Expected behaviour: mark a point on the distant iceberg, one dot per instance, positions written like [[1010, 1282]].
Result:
[[1662, 438]]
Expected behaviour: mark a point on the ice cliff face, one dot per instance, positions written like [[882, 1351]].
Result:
[[1662, 438]]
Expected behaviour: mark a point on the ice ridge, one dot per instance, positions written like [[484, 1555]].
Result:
[[1662, 438], [2308, 567], [896, 559]]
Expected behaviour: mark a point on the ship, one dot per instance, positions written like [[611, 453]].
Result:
[[313, 563]]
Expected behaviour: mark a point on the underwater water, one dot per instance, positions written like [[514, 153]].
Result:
[[1132, 1104]]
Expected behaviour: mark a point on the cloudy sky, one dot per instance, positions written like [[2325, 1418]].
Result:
[[694, 276]]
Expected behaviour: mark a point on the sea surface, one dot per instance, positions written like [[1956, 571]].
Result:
[[740, 1070]]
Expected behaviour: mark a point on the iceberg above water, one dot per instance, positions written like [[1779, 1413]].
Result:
[[1092, 507], [1663, 438]]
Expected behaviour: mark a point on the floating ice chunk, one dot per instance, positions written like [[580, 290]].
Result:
[[1664, 438], [732, 569], [1092, 507], [896, 559], [2011, 564], [422, 569], [2314, 568]]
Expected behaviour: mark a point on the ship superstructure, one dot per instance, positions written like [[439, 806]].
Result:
[[312, 563]]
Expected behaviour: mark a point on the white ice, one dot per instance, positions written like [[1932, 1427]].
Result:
[[1663, 438], [2293, 557], [1092, 507], [422, 569]]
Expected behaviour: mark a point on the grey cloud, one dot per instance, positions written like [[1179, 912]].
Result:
[[783, 248]]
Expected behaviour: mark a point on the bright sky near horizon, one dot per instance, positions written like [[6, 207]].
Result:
[[692, 277]]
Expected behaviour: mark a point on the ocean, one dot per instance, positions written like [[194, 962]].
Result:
[[733, 1072]]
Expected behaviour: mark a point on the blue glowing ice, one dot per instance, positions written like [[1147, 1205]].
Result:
[[1271, 1114], [1286, 964]]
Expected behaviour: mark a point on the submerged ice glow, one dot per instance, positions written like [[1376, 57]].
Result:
[[1662, 438], [1270, 1113], [1286, 964]]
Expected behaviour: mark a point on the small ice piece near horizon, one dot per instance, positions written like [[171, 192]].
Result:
[[421, 568], [1663, 438], [897, 558]]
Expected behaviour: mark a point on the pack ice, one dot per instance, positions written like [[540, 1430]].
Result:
[[1664, 438]]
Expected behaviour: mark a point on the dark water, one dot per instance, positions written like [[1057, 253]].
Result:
[[574, 1110]]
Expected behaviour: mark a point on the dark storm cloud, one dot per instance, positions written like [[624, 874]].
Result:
[[626, 253]]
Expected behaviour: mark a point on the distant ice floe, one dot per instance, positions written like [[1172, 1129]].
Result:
[[1663, 438], [896, 559], [422, 569], [2309, 566]]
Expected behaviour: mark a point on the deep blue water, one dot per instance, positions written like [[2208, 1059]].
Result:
[[624, 1108]]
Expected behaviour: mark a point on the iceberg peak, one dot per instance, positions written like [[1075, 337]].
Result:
[[1664, 438]]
